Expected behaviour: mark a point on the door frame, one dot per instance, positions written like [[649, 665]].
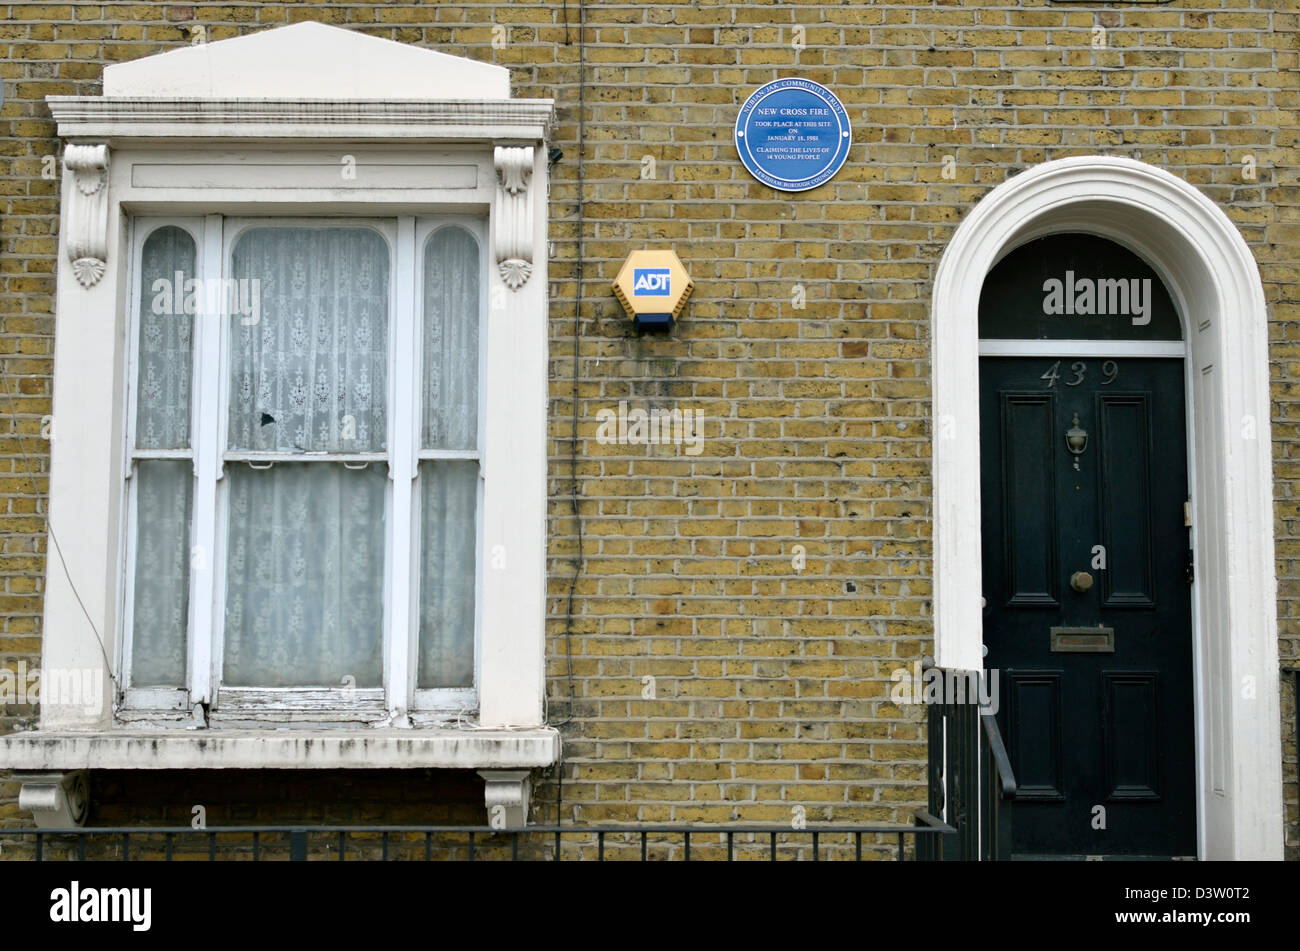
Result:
[[1214, 281]]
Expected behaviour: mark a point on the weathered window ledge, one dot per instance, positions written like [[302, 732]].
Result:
[[52, 766]]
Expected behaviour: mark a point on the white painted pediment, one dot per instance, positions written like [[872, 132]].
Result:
[[307, 61]]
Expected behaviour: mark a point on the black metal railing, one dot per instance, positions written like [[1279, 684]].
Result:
[[999, 791], [479, 843], [971, 783]]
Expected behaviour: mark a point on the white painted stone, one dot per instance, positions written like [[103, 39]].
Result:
[[258, 748], [506, 794], [307, 61], [56, 800]]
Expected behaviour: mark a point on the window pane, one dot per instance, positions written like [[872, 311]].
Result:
[[309, 354], [162, 572], [305, 575], [449, 501], [451, 319], [162, 419]]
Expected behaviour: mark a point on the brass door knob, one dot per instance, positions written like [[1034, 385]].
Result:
[[1081, 581]]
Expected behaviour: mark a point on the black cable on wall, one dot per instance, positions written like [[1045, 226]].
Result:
[[577, 342]]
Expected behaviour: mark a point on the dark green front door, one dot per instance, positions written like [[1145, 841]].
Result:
[[1087, 618]]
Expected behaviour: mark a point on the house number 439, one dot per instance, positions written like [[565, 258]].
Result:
[[1079, 369]]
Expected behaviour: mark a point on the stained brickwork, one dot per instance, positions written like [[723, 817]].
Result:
[[739, 611]]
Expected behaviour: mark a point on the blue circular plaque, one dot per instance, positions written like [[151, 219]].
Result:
[[793, 134]]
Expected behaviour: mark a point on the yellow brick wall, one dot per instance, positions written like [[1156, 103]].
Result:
[[770, 683]]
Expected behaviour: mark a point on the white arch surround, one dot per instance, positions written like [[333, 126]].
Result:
[[1215, 284]]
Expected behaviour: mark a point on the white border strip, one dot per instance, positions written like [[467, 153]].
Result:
[[1083, 348]]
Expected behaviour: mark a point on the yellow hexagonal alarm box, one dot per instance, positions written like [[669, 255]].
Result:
[[653, 286]]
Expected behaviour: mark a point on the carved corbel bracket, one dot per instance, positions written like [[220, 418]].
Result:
[[513, 228], [506, 793], [86, 217], [56, 800]]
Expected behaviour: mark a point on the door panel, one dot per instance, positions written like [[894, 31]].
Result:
[[1035, 706], [1095, 679], [1123, 424], [1029, 499], [1131, 715]]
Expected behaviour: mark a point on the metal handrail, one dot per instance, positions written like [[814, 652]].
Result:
[[970, 772], [993, 736]]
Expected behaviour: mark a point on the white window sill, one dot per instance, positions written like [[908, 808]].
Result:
[[436, 748]]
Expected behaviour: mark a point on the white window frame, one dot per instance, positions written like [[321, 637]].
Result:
[[150, 152], [406, 238], [327, 703], [258, 126], [459, 700], [153, 698]]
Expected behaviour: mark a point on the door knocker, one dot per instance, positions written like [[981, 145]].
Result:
[[1076, 440]]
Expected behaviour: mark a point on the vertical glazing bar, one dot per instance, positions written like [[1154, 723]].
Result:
[[643, 855], [816, 857], [212, 846], [688, 846], [471, 846], [40, 847], [559, 846], [297, 845], [168, 847], [257, 846], [729, 857], [206, 439], [773, 846], [404, 324], [900, 846], [384, 847], [857, 846], [428, 846], [600, 845], [343, 843], [514, 847]]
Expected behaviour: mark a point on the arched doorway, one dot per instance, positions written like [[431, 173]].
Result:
[[1214, 284]]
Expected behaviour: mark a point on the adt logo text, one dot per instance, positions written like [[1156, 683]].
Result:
[[651, 281]]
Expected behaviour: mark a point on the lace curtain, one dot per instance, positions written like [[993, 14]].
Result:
[[162, 413], [163, 488], [305, 576], [449, 503], [449, 488], [451, 319], [305, 543], [162, 572], [309, 369]]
